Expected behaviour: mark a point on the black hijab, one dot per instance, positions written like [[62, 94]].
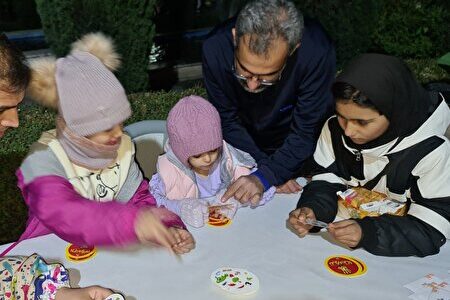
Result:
[[392, 88]]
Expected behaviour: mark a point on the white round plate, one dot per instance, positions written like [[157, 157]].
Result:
[[235, 280]]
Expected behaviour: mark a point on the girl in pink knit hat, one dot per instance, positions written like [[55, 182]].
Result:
[[198, 164], [81, 181]]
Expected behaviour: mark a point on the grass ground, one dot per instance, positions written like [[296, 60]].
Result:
[[34, 120]]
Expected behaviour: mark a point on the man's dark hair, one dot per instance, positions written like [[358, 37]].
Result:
[[14, 72], [343, 91]]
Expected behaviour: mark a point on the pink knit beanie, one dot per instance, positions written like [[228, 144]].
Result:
[[193, 126], [91, 99]]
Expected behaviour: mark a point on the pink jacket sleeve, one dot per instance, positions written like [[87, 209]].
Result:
[[55, 204]]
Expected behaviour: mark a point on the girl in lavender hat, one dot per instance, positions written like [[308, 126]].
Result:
[[198, 164]]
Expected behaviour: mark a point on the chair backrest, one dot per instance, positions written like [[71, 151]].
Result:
[[149, 137]]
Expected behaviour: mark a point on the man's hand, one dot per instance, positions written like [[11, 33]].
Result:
[[347, 232], [184, 240], [245, 189], [297, 220], [289, 187]]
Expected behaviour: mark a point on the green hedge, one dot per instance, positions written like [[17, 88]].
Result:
[[404, 28], [347, 22], [129, 23], [413, 29]]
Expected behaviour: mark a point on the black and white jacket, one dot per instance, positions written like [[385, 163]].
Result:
[[415, 170]]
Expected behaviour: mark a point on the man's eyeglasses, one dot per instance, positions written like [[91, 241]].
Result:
[[264, 82]]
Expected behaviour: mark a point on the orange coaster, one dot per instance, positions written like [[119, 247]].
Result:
[[219, 222], [345, 266], [80, 254]]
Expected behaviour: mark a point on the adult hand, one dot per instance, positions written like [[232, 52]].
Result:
[[297, 220], [88, 293], [245, 189], [149, 229], [289, 187], [184, 242], [347, 232]]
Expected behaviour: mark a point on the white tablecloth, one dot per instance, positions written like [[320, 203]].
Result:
[[288, 267]]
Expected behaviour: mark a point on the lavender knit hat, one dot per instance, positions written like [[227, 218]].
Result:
[[193, 126], [91, 99]]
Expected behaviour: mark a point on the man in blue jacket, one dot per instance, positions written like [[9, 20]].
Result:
[[269, 74]]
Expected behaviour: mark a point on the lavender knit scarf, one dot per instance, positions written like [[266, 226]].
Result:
[[84, 152]]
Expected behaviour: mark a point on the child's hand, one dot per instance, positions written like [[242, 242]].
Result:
[[184, 240], [149, 229], [87, 293], [347, 232], [297, 219]]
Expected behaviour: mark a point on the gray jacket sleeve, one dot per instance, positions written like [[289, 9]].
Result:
[[132, 182], [41, 161]]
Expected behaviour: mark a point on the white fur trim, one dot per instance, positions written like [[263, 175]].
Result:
[[100, 46], [42, 87]]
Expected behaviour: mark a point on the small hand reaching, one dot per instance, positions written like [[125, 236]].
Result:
[[149, 229], [184, 242]]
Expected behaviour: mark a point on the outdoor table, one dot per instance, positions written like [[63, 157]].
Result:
[[258, 240]]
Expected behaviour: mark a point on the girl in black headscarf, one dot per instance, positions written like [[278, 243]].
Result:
[[387, 136]]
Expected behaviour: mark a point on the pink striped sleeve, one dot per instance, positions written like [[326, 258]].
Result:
[[56, 206]]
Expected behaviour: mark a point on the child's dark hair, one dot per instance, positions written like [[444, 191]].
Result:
[[343, 91], [14, 72]]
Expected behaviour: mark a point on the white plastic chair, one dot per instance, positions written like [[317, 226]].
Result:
[[149, 137]]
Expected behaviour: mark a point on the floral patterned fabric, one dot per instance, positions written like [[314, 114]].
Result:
[[30, 278]]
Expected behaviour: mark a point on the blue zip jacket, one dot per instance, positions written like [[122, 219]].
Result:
[[279, 127]]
